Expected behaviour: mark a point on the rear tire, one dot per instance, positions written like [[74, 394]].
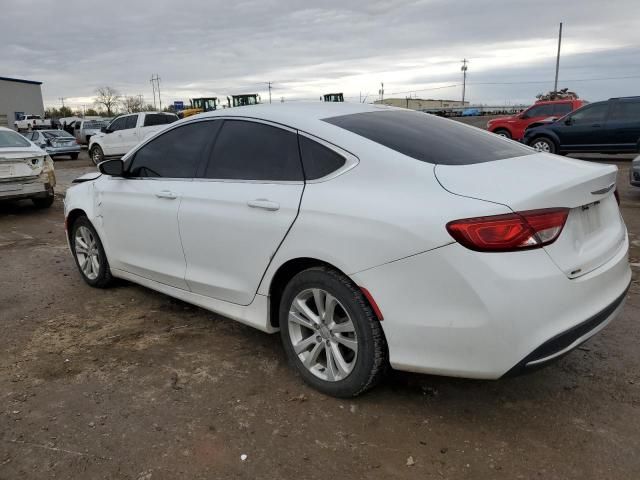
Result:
[[96, 154], [326, 320], [503, 133], [89, 254], [44, 202], [543, 144]]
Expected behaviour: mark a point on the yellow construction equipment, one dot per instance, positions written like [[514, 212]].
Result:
[[199, 105], [242, 100]]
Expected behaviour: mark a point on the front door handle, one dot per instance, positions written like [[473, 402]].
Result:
[[264, 204], [166, 194]]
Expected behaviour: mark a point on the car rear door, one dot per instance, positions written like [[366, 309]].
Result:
[[140, 211], [584, 130], [623, 125], [236, 214]]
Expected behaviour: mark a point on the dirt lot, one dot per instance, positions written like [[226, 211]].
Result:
[[128, 383]]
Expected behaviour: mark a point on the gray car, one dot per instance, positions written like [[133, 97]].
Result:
[[55, 142], [84, 129], [634, 172]]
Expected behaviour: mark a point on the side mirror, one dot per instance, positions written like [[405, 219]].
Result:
[[105, 130], [113, 168], [568, 121]]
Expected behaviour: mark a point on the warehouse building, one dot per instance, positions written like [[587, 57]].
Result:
[[18, 97], [422, 104]]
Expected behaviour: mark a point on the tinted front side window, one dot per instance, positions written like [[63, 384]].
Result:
[[118, 124], [429, 138], [175, 154], [591, 114], [318, 161], [626, 111], [254, 151]]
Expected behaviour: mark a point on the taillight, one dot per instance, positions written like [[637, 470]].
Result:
[[509, 232]]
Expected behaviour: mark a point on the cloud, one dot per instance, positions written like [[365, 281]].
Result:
[[204, 48]]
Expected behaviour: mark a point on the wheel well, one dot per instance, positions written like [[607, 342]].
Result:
[[498, 129], [72, 217], [286, 272]]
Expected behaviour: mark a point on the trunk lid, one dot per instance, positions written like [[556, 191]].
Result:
[[594, 231], [20, 163]]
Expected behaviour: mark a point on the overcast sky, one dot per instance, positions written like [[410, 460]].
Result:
[[202, 48]]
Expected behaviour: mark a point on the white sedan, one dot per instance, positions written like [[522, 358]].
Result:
[[368, 236], [26, 171]]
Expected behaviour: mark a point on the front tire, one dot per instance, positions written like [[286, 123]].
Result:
[[89, 254], [330, 333], [543, 144], [97, 155]]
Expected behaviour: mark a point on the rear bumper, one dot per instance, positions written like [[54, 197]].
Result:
[[24, 190], [63, 150], [455, 312], [565, 342]]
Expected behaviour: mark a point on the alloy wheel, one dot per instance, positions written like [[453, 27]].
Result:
[[542, 146], [87, 252], [322, 335]]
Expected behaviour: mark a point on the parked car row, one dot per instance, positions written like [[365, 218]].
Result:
[[55, 142]]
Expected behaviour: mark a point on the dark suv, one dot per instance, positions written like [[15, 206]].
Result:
[[612, 126]]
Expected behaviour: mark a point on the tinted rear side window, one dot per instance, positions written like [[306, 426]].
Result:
[[626, 111], [318, 161], [429, 138], [152, 119], [254, 151], [561, 109]]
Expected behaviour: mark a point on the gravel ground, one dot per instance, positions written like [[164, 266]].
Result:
[[128, 383]]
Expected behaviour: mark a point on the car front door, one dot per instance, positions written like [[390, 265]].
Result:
[[623, 125], [237, 213], [140, 211], [584, 130]]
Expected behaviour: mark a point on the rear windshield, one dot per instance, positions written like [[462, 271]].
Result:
[[57, 133], [12, 139], [429, 138]]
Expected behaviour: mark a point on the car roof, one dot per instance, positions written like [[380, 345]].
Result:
[[300, 115]]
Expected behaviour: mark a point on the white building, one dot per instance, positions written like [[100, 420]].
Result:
[[19, 97]]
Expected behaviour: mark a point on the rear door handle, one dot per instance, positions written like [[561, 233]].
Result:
[[166, 194], [264, 204]]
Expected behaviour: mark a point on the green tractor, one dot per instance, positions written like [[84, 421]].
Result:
[[199, 105], [333, 97], [242, 100]]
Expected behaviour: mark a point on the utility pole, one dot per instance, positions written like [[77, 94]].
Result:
[[269, 83], [555, 85], [464, 78], [140, 102], [381, 92], [155, 84], [62, 100]]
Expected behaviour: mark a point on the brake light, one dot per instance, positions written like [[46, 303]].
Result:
[[510, 232]]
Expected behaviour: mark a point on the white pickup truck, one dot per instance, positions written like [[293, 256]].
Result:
[[125, 132], [29, 122]]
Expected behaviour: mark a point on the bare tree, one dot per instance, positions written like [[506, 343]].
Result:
[[131, 104], [107, 97]]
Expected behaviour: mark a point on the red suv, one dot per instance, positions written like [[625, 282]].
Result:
[[515, 125]]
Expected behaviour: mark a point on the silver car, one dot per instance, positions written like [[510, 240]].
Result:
[[55, 142], [634, 172], [84, 129]]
